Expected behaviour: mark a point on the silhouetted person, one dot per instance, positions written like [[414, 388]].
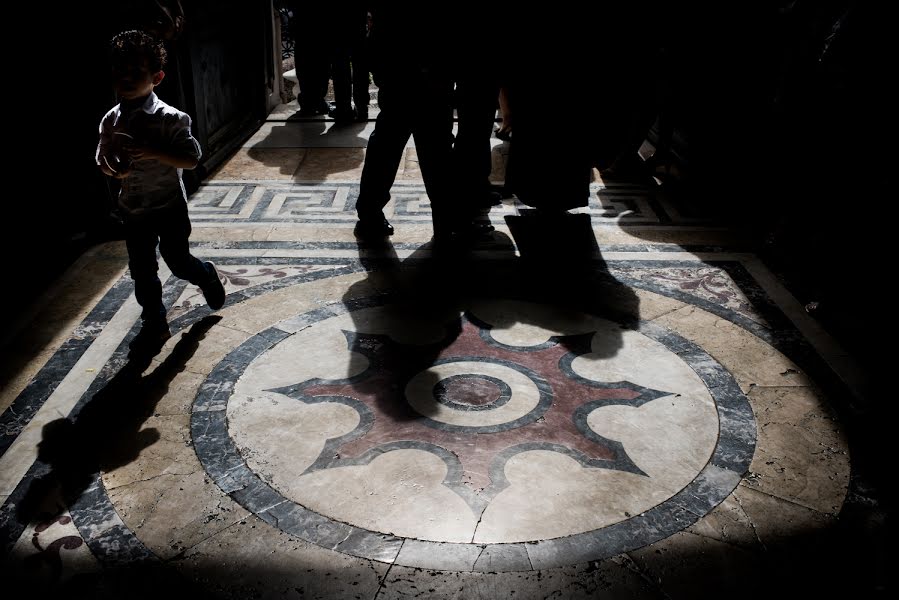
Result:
[[311, 55], [549, 56], [348, 22], [477, 89], [145, 143], [410, 65]]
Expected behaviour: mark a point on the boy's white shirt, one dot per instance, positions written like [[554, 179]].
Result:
[[151, 185]]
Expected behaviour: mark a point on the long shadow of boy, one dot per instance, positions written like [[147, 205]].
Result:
[[106, 433]]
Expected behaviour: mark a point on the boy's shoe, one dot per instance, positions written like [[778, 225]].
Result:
[[151, 337], [213, 290]]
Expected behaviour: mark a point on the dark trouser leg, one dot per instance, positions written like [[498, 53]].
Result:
[[312, 70], [433, 128], [360, 78], [341, 75], [174, 232], [382, 157], [476, 104], [141, 239]]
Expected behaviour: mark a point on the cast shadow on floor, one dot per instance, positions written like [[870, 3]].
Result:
[[107, 432], [446, 295]]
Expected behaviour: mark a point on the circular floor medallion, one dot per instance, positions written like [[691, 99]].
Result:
[[360, 437]]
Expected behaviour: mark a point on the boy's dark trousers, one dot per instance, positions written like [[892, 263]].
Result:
[[169, 228]]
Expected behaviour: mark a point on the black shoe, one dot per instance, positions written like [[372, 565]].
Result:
[[151, 337], [213, 290], [489, 199], [463, 234], [373, 229], [362, 114]]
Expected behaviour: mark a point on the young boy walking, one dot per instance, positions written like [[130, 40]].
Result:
[[145, 144]]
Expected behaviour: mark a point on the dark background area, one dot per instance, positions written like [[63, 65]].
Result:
[[778, 118]]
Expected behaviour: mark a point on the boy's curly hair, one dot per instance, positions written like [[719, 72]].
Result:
[[133, 47]]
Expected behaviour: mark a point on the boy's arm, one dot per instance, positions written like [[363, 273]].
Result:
[[182, 150], [179, 160], [103, 149]]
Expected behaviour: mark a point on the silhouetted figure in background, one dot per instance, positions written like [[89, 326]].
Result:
[[311, 55], [550, 59], [349, 61], [477, 89], [628, 57], [504, 132], [411, 67]]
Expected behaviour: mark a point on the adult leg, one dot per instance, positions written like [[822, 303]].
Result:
[[382, 157], [342, 77], [476, 92], [361, 96], [433, 126]]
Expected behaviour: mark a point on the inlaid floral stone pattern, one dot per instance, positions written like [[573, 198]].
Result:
[[358, 433]]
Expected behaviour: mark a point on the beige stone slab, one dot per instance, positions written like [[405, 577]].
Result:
[[172, 512], [686, 566], [237, 232], [551, 495], [728, 523], [252, 560], [183, 389], [159, 446], [802, 454], [219, 340], [399, 492], [652, 305], [777, 521], [260, 163], [283, 111], [260, 312], [313, 133], [329, 164], [40, 331], [612, 579], [751, 361], [410, 169]]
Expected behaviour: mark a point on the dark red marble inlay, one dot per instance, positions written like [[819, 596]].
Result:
[[391, 366], [473, 391]]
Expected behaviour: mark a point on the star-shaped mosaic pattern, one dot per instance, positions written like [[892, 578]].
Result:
[[475, 454]]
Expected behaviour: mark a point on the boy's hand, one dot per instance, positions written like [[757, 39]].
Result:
[[115, 167], [137, 151]]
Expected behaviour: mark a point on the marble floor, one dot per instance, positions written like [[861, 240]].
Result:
[[626, 404]]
